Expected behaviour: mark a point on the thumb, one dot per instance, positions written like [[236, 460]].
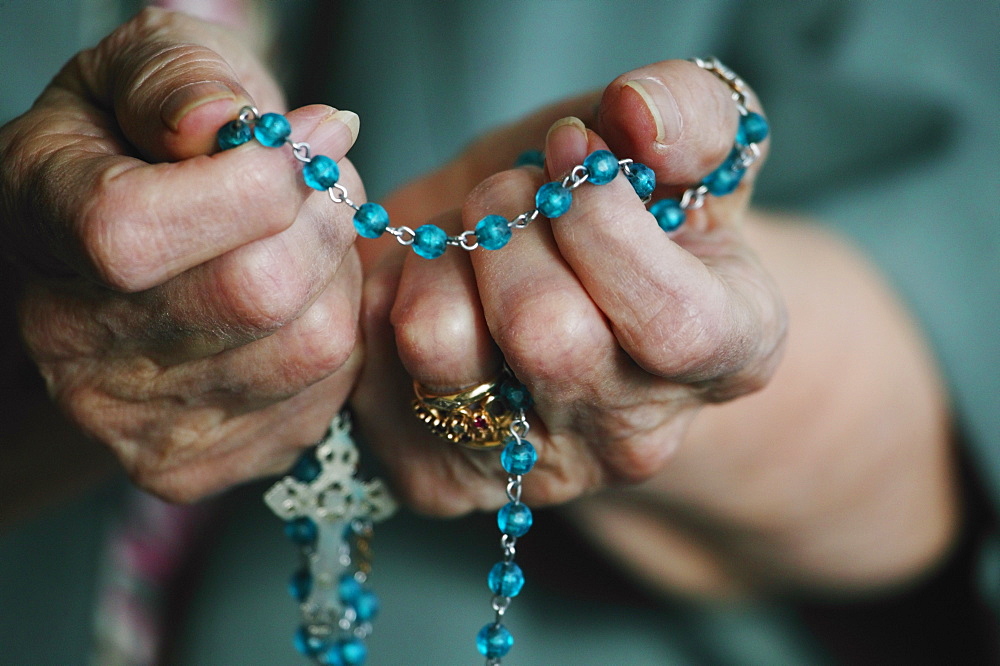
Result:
[[673, 116], [170, 81]]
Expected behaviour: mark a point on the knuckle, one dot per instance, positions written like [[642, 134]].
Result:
[[262, 289], [683, 340], [119, 241], [169, 485], [324, 340], [433, 331], [553, 339], [640, 457]]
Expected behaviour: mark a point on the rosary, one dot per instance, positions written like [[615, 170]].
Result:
[[329, 513]]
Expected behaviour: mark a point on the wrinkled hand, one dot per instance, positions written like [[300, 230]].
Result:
[[197, 313], [620, 331]]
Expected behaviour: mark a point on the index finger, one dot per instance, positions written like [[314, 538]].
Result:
[[81, 200]]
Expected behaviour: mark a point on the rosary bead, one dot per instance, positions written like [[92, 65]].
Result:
[[668, 213], [366, 606], [552, 199], [494, 641], [271, 129], [726, 178], [755, 127], [531, 158], [349, 589], [371, 220], [232, 134], [518, 457], [506, 579], [602, 167], [307, 469], [516, 395], [302, 531], [300, 584], [493, 232], [643, 179], [430, 241], [307, 644], [321, 173], [346, 652], [514, 519]]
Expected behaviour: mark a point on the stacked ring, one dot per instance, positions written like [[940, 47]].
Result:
[[478, 417]]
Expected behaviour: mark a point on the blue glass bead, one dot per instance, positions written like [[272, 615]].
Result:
[[518, 457], [300, 584], [366, 606], [307, 644], [321, 173], [506, 579], [333, 656], [271, 129], [371, 220], [741, 135], [430, 241], [602, 167], [493, 232], [552, 199], [232, 134], [514, 519], [347, 652], [725, 179], [755, 127], [530, 158], [668, 213], [494, 641], [349, 589], [307, 469], [516, 395], [301, 530], [643, 179]]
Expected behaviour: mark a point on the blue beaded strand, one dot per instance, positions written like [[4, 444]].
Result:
[[505, 578]]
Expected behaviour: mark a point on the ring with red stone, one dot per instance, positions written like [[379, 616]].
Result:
[[477, 417]]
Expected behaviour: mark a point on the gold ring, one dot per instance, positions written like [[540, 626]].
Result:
[[475, 417]]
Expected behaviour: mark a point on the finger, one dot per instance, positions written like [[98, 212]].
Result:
[[673, 116], [171, 82], [441, 334], [548, 328], [552, 335], [130, 225], [184, 455], [258, 288], [306, 350], [241, 296], [691, 313]]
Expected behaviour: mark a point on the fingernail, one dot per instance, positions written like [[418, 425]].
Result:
[[569, 121], [348, 118], [189, 97], [662, 107]]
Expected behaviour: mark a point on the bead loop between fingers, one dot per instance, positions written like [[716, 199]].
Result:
[[552, 199]]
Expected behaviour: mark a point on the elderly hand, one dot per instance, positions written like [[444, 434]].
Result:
[[620, 331], [196, 313]]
